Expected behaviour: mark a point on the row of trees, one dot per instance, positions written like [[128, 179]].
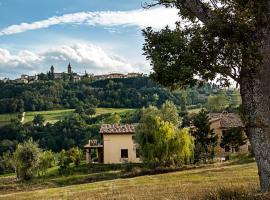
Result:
[[162, 138], [129, 93], [28, 160]]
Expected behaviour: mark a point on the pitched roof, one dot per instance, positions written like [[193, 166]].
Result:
[[117, 128], [227, 120]]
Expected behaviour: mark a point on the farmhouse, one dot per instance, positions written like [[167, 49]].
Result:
[[221, 122], [118, 145]]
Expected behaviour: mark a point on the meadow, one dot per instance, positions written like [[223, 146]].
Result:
[[187, 184], [53, 116]]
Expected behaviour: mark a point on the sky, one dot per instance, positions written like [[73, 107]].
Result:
[[97, 36]]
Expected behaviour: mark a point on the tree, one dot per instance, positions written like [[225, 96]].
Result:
[[113, 119], [46, 160], [232, 139], [161, 141], [217, 103], [205, 138], [169, 113], [76, 155], [235, 99], [26, 160], [39, 120], [79, 110], [224, 39], [90, 111]]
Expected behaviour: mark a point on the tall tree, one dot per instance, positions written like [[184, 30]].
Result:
[[217, 103], [205, 138], [232, 139], [161, 142], [227, 39]]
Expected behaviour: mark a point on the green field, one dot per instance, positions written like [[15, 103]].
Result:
[[189, 184], [56, 115], [7, 117]]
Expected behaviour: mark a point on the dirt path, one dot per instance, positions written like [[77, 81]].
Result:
[[23, 115]]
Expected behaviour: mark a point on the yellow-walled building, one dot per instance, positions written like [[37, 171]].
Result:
[[118, 145]]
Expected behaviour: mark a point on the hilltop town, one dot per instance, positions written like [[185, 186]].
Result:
[[69, 75]]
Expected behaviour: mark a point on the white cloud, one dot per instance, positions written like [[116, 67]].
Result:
[[82, 57], [156, 18]]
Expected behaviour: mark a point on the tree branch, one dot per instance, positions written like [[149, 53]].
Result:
[[196, 7]]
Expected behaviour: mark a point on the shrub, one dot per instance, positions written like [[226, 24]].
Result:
[[26, 160], [73, 155], [47, 160], [234, 194]]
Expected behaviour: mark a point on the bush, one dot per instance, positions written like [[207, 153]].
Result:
[[26, 160], [47, 160], [73, 155], [234, 194]]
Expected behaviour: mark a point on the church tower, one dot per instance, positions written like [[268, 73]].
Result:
[[52, 69], [69, 69]]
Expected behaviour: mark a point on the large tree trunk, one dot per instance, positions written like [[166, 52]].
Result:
[[255, 92]]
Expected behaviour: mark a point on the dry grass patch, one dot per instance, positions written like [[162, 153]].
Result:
[[191, 184]]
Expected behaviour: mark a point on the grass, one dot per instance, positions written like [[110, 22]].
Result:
[[53, 116], [188, 184], [7, 117]]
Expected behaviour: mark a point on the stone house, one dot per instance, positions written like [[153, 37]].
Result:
[[221, 122]]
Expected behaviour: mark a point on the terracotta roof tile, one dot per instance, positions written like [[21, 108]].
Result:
[[227, 120], [117, 128]]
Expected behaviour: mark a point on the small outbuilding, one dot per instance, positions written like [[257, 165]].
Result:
[[118, 145]]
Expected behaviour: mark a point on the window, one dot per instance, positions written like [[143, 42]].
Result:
[[124, 153], [137, 153]]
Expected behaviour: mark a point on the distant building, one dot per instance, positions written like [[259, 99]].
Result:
[[19, 80], [221, 122], [118, 145], [32, 78], [131, 75], [52, 69], [5, 80], [24, 76], [117, 75], [74, 76], [69, 69]]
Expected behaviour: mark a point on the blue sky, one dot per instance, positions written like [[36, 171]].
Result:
[[100, 36]]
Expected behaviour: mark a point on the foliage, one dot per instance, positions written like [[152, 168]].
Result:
[[6, 163], [39, 120], [26, 160], [232, 139], [205, 138], [217, 103], [223, 40], [161, 141], [113, 119], [46, 161], [118, 93], [90, 111], [170, 113], [76, 155], [65, 158]]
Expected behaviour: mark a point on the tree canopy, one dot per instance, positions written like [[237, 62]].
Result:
[[221, 40]]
